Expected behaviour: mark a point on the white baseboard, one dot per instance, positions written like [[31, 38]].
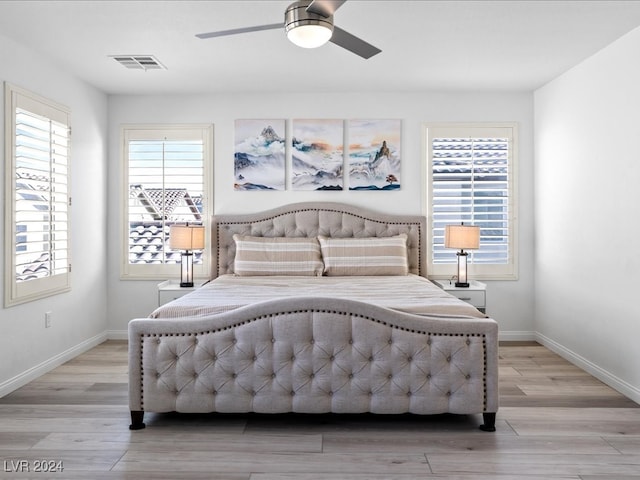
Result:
[[614, 382], [48, 365], [117, 335], [516, 336]]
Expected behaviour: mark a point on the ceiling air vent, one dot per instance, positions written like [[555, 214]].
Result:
[[139, 62]]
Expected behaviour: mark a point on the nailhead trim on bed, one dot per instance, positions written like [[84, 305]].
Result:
[[169, 387]]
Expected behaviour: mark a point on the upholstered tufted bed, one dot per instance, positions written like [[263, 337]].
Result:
[[292, 323]]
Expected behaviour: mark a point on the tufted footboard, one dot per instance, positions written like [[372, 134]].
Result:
[[314, 355]]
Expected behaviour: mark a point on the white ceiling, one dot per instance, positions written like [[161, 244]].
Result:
[[426, 45]]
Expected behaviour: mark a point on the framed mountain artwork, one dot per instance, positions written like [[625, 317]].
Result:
[[259, 155], [317, 155], [374, 154]]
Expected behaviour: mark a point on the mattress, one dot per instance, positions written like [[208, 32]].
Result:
[[408, 293]]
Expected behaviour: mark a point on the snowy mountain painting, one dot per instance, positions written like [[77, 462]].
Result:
[[259, 155], [374, 154], [317, 161]]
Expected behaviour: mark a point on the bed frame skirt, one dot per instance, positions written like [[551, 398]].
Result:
[[314, 355]]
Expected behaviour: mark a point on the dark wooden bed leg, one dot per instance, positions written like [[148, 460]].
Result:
[[136, 420], [489, 424]]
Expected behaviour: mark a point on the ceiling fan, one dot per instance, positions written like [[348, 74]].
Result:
[[309, 24]]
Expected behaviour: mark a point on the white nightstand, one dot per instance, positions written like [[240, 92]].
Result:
[[171, 289], [475, 293]]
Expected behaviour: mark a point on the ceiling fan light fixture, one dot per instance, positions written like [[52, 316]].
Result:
[[309, 36], [306, 29]]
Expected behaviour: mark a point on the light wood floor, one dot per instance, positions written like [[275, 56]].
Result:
[[555, 422]]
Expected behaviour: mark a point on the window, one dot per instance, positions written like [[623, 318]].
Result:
[[37, 197], [167, 181], [471, 172]]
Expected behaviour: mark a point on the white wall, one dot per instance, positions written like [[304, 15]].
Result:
[[511, 303], [587, 206], [79, 319]]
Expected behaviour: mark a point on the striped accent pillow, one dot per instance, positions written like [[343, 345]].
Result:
[[277, 256], [365, 256]]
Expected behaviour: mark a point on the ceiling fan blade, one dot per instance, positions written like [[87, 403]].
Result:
[[326, 8], [353, 43], [234, 31]]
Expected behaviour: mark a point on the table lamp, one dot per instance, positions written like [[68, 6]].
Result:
[[186, 238], [463, 237]]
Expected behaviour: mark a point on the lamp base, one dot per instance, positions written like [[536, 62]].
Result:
[[186, 269], [461, 278]]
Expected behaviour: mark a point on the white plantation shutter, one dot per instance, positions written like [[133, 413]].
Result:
[[38, 141], [471, 172], [166, 183]]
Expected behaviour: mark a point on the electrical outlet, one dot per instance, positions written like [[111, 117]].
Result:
[[47, 319]]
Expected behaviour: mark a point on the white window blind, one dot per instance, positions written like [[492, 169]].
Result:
[[39, 206], [471, 171], [166, 184]]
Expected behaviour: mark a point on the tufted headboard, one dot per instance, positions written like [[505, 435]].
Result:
[[310, 219]]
